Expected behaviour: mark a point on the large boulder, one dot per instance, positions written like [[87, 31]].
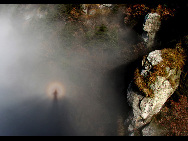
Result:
[[156, 81]]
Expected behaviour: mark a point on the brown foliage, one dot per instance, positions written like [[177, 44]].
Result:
[[173, 58], [175, 118], [140, 81]]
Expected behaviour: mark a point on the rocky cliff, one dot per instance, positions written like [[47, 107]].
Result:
[[156, 81]]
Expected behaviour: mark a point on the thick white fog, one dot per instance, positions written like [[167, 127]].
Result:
[[34, 64]]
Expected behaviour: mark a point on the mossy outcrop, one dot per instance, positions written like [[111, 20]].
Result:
[[157, 80]]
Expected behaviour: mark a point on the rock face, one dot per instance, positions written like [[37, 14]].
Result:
[[156, 82], [151, 26]]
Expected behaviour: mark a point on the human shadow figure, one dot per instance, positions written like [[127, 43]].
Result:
[[37, 117], [60, 124], [55, 96]]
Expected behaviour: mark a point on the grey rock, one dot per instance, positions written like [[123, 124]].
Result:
[[144, 108]]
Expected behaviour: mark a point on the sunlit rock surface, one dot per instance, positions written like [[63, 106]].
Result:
[[156, 82], [151, 26]]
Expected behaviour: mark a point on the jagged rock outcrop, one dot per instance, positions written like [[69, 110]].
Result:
[[156, 82], [151, 26]]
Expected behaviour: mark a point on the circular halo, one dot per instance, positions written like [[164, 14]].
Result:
[[55, 87]]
